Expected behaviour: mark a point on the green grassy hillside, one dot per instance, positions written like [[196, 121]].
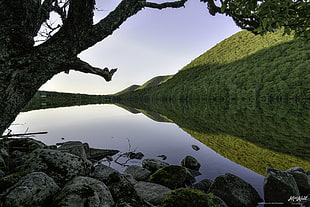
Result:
[[126, 90], [155, 81], [243, 66]]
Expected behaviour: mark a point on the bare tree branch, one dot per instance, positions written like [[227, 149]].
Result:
[[174, 4], [84, 67]]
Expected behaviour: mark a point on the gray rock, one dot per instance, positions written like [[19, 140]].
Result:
[[173, 176], [61, 166], [217, 201], [302, 181], [234, 191], [123, 191], [23, 145], [279, 186], [74, 147], [138, 173], [32, 190], [151, 192], [203, 185], [190, 163], [102, 172], [153, 164], [98, 154], [130, 178], [84, 191]]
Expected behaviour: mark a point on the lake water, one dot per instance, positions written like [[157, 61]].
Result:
[[110, 126]]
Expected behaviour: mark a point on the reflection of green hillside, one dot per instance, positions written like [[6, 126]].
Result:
[[247, 154], [254, 135]]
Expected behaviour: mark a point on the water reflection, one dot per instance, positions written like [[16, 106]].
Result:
[[242, 139]]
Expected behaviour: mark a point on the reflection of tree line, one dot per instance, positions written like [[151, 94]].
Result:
[[43, 100], [278, 126]]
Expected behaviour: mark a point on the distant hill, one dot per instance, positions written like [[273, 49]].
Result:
[[153, 82], [243, 66], [126, 90]]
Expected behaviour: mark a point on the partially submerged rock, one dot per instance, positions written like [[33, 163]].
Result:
[[191, 163], [234, 191], [279, 186]]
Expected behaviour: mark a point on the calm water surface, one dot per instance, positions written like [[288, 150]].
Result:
[[108, 126]]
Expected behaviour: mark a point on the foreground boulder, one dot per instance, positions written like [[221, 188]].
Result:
[[31, 190], [151, 192], [84, 191], [279, 186], [184, 197], [173, 176], [303, 182], [61, 166], [234, 191]]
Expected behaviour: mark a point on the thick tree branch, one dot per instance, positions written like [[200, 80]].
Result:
[[174, 4], [84, 67]]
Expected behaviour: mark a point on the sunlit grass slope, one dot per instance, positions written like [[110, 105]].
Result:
[[243, 66]]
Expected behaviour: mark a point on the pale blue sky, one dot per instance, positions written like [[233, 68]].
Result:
[[151, 43]]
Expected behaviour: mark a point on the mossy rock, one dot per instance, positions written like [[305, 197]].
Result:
[[172, 176], [186, 197], [11, 179]]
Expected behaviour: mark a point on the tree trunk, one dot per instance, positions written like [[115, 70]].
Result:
[[20, 78]]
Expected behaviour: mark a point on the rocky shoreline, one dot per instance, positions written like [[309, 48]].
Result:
[[33, 174]]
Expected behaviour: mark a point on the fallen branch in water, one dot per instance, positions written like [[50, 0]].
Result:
[[24, 134]]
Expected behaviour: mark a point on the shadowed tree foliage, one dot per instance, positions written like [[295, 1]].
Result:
[[25, 66]]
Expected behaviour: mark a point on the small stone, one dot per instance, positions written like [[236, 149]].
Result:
[[195, 147], [191, 163]]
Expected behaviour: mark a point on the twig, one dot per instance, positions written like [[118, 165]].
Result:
[[24, 134]]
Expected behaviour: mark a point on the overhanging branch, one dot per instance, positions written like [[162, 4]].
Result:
[[174, 4], [84, 67]]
